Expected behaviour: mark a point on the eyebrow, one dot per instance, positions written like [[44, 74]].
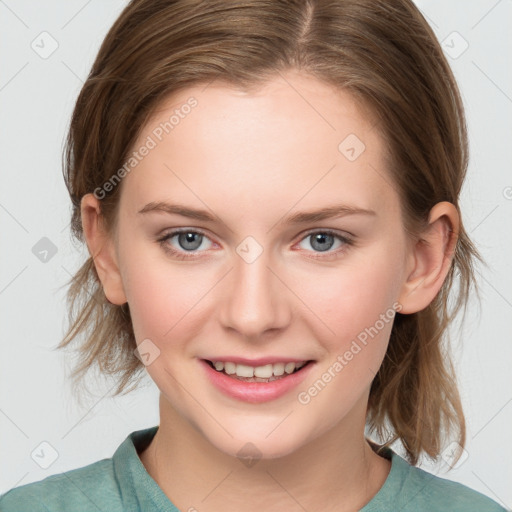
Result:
[[177, 209], [328, 212]]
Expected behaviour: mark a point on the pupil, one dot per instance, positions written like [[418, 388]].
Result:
[[322, 241]]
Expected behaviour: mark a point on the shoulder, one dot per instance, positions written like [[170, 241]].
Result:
[[411, 489], [116, 484], [422, 490], [449, 496], [91, 487]]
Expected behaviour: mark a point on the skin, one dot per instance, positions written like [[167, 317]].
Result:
[[251, 159]]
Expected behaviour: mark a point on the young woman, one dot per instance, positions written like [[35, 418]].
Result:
[[269, 194]]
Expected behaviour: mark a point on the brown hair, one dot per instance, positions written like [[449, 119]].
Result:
[[381, 51]]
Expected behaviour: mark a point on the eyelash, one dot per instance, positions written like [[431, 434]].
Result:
[[183, 255]]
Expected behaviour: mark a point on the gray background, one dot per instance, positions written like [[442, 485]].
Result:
[[36, 99]]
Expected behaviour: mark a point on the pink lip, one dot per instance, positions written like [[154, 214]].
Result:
[[262, 361], [255, 392]]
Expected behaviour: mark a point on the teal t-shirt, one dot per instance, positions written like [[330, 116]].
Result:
[[122, 483]]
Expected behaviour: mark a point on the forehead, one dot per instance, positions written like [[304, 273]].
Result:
[[294, 138]]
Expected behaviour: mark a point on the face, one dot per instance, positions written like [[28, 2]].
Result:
[[255, 275]]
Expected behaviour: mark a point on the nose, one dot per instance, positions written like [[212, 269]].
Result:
[[257, 302]]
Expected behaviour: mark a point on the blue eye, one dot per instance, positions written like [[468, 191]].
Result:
[[188, 241], [324, 241]]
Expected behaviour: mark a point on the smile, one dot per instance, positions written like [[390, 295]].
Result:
[[244, 384], [266, 373]]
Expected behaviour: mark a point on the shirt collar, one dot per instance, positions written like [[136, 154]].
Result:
[[137, 488], [139, 491]]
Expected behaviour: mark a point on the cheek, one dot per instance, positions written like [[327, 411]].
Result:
[[360, 308], [357, 303], [161, 297], [353, 297]]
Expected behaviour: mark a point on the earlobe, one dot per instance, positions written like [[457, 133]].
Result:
[[431, 258], [102, 250]]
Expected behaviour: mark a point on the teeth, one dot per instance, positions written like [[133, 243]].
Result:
[[219, 366], [263, 372], [278, 369], [229, 368], [244, 371], [289, 367]]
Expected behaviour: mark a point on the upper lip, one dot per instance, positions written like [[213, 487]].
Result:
[[261, 361]]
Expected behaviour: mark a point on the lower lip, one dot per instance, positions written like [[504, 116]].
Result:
[[255, 392]]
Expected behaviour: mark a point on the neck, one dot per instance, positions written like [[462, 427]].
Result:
[[337, 471]]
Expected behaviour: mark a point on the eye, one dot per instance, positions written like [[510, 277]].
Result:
[[189, 243], [181, 242], [325, 241]]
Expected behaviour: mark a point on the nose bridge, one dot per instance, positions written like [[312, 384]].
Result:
[[256, 300]]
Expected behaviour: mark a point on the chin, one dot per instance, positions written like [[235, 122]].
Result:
[[248, 444]]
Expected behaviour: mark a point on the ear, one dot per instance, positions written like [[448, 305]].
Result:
[[431, 258], [102, 249]]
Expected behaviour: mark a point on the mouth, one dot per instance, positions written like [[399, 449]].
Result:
[[266, 373]]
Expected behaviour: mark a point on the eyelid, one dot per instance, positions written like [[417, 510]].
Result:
[[329, 231], [169, 234], [346, 239], [177, 231]]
